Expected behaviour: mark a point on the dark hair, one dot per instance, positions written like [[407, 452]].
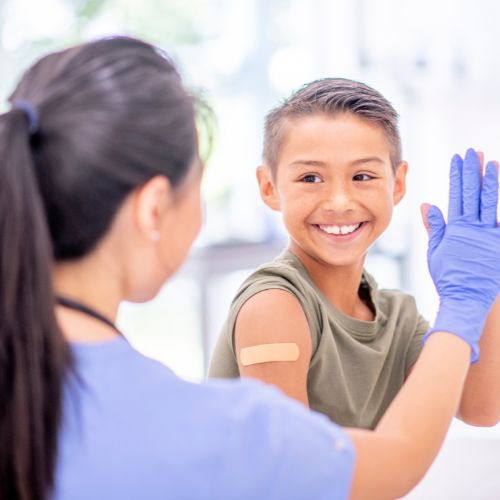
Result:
[[112, 114], [331, 96]]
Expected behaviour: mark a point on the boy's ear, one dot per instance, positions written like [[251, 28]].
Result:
[[400, 182], [267, 189]]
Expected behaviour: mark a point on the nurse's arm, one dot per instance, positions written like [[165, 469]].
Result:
[[393, 458], [480, 402]]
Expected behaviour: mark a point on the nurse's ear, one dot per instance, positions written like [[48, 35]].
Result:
[[152, 201], [268, 192]]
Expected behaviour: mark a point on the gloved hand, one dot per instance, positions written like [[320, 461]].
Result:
[[464, 254]]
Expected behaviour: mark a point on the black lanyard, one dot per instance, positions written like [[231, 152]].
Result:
[[77, 306]]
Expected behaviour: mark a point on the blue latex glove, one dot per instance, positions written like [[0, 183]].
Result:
[[464, 255]]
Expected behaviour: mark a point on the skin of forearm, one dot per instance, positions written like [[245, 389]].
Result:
[[480, 403], [392, 459]]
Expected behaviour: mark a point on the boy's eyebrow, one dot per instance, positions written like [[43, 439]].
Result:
[[312, 163], [368, 159], [318, 163]]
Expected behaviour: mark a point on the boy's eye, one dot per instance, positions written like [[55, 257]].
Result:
[[311, 178], [362, 177]]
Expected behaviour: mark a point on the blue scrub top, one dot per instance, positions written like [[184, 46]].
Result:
[[132, 430]]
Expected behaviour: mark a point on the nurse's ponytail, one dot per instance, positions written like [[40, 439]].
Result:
[[33, 355]]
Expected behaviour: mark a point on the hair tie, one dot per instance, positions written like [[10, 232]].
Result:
[[30, 113]]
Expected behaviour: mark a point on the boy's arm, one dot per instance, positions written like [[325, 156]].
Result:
[[480, 403], [275, 316]]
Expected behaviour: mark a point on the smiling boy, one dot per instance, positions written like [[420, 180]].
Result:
[[333, 168]]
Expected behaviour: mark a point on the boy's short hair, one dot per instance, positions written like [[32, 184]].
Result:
[[331, 96]]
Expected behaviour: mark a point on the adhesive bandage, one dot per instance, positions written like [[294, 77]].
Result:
[[266, 353]]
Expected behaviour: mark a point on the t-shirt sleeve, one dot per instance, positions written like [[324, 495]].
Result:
[[415, 347], [289, 283], [277, 448]]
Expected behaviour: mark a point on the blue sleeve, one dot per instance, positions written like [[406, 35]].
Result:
[[276, 449]]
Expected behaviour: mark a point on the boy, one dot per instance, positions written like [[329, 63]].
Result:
[[313, 322]]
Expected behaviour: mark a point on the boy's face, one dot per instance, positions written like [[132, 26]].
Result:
[[334, 185]]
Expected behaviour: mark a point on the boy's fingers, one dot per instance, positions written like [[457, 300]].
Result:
[[455, 202], [424, 209], [435, 223], [480, 155], [471, 184], [489, 195]]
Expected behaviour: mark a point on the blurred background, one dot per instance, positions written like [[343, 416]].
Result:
[[437, 62]]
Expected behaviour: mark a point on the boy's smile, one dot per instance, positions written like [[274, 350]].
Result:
[[341, 233], [340, 230], [335, 186]]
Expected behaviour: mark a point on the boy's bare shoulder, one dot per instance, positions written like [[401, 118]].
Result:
[[272, 315], [272, 306], [272, 301]]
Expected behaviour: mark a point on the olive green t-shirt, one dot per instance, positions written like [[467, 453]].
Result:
[[357, 367]]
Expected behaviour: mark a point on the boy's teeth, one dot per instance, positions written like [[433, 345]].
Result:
[[339, 229]]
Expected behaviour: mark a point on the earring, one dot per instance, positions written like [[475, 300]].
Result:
[[155, 235]]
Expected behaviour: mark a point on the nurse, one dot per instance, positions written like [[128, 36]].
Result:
[[99, 203]]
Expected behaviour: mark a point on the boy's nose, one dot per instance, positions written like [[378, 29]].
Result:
[[338, 199]]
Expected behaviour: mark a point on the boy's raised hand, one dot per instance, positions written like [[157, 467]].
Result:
[[464, 254]]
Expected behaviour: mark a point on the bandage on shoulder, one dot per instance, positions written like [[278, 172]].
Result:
[[266, 353]]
